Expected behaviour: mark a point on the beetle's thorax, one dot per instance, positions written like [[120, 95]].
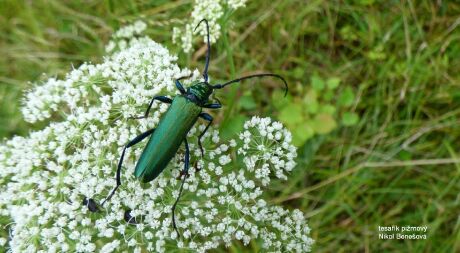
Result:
[[199, 92]]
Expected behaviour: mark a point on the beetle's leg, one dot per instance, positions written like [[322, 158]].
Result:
[[209, 118], [185, 171], [180, 87], [163, 99], [131, 143], [212, 106]]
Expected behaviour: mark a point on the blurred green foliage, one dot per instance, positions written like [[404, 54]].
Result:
[[323, 106], [373, 84]]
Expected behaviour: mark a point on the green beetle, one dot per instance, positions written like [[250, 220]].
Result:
[[172, 130]]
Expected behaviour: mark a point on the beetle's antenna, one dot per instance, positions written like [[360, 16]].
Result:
[[220, 86], [208, 52]]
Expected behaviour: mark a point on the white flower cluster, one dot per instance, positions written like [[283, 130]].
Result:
[[212, 10], [121, 37], [130, 31], [125, 81], [262, 149], [45, 177]]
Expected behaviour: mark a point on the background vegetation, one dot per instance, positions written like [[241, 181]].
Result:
[[373, 105]]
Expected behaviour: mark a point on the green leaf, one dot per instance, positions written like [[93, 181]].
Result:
[[311, 95], [317, 83], [323, 123], [312, 107], [328, 95], [311, 102], [291, 114], [299, 72], [348, 33], [347, 97], [328, 109], [377, 53], [302, 133], [350, 118], [333, 83], [247, 102], [279, 100]]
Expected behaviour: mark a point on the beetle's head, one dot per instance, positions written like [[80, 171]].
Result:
[[201, 90]]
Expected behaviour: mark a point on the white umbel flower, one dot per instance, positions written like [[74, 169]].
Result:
[[213, 11], [45, 176]]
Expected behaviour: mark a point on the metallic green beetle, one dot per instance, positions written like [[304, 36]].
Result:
[[172, 130]]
